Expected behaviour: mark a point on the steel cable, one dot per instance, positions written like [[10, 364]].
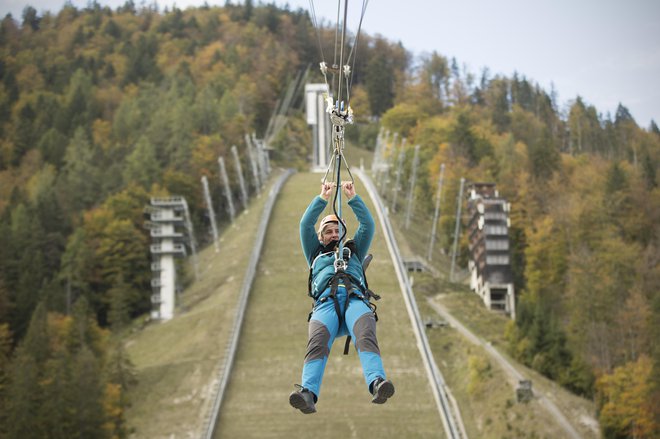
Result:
[[316, 26]]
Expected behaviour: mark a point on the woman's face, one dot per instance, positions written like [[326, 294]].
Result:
[[330, 233]]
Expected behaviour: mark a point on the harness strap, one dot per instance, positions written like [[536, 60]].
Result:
[[345, 279], [347, 346], [334, 284]]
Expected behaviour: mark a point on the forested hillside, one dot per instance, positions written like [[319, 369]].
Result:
[[584, 225], [101, 109]]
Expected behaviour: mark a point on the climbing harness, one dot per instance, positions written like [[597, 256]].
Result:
[[343, 279]]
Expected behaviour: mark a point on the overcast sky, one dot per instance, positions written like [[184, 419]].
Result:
[[606, 51]]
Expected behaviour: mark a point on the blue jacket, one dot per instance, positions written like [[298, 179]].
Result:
[[323, 265]]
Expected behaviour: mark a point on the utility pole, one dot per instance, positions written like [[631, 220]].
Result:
[[262, 156], [376, 162], [411, 194], [459, 201], [209, 206], [253, 164], [191, 236], [386, 169], [438, 198], [399, 169], [241, 180], [225, 183]]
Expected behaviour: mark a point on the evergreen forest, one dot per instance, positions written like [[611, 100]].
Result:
[[102, 109]]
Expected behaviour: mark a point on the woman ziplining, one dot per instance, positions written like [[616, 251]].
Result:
[[341, 297], [337, 280]]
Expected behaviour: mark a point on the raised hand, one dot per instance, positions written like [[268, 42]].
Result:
[[326, 189], [349, 189]]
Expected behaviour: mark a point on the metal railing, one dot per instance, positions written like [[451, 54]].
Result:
[[178, 249], [225, 370], [174, 201], [449, 412]]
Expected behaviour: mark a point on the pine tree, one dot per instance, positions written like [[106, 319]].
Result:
[[30, 18], [464, 140], [56, 413], [28, 290], [76, 267], [5, 371], [24, 138], [25, 396], [616, 179], [437, 71], [24, 273], [653, 128], [87, 395], [80, 107], [120, 298], [622, 115], [625, 129], [379, 81], [142, 64], [500, 105], [648, 171], [121, 377], [52, 146], [120, 369], [544, 158], [80, 172], [6, 304], [248, 10], [654, 377], [84, 332], [206, 110], [37, 339], [25, 392], [142, 164]]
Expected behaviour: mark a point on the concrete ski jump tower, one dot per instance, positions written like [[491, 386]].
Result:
[[490, 262], [167, 216], [320, 122]]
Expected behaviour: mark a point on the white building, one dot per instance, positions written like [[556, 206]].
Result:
[[321, 127], [167, 218]]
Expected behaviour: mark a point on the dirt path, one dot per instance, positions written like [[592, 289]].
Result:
[[514, 376]]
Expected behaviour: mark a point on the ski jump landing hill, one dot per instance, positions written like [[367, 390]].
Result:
[[251, 400], [224, 366]]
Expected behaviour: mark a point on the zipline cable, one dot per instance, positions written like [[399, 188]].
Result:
[[355, 48], [334, 60], [341, 55], [339, 110], [316, 27]]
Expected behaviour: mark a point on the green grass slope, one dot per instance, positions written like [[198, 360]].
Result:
[[483, 391], [270, 356], [177, 361]]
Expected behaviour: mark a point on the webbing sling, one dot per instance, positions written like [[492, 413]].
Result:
[[334, 283], [344, 279]]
